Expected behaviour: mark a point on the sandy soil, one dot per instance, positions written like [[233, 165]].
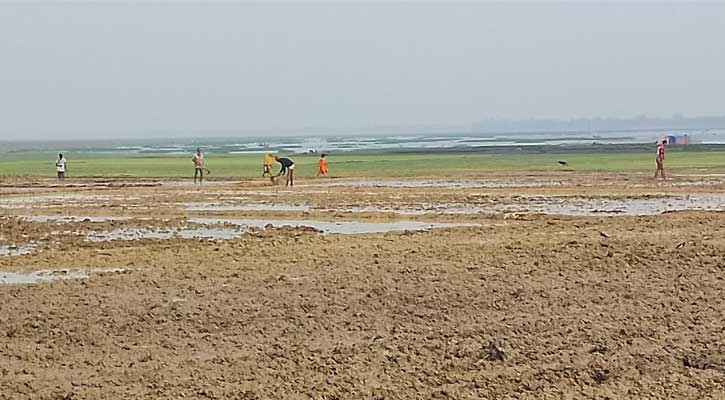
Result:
[[519, 306]]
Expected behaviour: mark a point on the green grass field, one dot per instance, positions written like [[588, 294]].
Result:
[[359, 164]]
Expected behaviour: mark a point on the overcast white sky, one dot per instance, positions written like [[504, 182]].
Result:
[[112, 70]]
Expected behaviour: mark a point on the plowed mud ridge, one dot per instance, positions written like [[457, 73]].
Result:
[[514, 304]]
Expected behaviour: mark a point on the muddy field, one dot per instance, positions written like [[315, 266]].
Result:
[[568, 286]]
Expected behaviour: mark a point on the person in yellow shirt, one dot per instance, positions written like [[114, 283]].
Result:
[[322, 166], [268, 159]]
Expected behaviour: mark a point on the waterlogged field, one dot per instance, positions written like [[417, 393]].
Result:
[[364, 164], [468, 281]]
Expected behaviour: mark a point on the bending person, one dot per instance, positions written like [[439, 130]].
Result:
[[288, 168]]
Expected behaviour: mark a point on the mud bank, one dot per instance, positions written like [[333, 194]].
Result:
[[535, 306]]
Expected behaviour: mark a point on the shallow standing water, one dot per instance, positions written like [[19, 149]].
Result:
[[17, 278], [73, 218], [141, 233], [578, 206], [562, 205], [247, 207], [343, 227], [16, 250], [451, 184]]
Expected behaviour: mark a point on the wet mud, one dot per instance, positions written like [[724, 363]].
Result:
[[130, 293]]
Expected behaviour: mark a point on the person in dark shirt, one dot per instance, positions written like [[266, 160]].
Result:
[[288, 168]]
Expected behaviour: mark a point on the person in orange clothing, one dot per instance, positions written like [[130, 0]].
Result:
[[322, 166]]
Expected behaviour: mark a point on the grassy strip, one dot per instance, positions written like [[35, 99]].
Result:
[[381, 164]]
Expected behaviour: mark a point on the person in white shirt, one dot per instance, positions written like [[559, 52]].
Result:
[[198, 166], [60, 166]]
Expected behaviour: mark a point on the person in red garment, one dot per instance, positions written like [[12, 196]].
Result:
[[660, 160]]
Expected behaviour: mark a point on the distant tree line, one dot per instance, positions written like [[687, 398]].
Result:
[[676, 122]]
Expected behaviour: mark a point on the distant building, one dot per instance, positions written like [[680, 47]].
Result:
[[683, 139]]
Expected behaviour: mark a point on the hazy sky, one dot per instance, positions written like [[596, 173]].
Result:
[[111, 69]]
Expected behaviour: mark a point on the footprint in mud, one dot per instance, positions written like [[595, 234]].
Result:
[[495, 351], [703, 362], [600, 375]]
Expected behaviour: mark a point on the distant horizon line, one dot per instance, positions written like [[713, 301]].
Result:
[[376, 134], [476, 129]]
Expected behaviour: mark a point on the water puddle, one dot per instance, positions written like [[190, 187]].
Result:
[[247, 207], [73, 218], [14, 278], [16, 250], [327, 227], [190, 182], [276, 190], [427, 209], [464, 184], [605, 206], [704, 182], [183, 233], [53, 200], [560, 205]]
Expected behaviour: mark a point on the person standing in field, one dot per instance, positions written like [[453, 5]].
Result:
[[60, 166], [267, 171], [322, 166], [660, 160], [288, 168], [198, 166]]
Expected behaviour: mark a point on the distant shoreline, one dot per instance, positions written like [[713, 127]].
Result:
[[554, 149], [484, 149], [424, 143]]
